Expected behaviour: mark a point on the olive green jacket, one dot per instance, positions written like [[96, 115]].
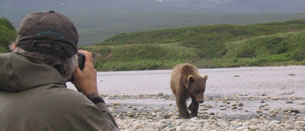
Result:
[[34, 97]]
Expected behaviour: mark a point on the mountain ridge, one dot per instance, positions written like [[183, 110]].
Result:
[[98, 20]]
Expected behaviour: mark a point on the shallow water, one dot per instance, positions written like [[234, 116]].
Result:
[[249, 85], [226, 81]]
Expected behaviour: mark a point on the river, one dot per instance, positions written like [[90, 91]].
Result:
[[221, 81], [254, 87]]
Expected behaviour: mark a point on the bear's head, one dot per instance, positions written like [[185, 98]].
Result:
[[196, 86]]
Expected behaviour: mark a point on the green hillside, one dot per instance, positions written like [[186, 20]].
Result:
[[7, 34], [209, 39], [205, 46], [277, 49], [141, 57], [225, 32], [210, 46]]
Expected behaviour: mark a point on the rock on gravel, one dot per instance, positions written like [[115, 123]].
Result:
[[290, 110], [253, 127]]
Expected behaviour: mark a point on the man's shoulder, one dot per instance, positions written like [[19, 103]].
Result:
[[64, 95], [63, 101], [4, 55], [56, 107]]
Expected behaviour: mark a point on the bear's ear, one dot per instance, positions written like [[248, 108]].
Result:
[[205, 77], [190, 79]]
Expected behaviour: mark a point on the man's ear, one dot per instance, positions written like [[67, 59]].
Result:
[[13, 46], [205, 77], [190, 79]]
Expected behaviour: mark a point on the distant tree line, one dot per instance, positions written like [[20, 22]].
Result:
[[7, 33]]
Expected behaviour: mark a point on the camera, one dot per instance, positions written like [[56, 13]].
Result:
[[81, 60]]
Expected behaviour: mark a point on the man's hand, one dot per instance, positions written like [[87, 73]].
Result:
[[85, 80]]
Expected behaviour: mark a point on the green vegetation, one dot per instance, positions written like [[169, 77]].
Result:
[[141, 57], [7, 34], [266, 50], [205, 46], [210, 39], [3, 50], [211, 46]]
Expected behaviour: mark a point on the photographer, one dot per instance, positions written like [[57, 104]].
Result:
[[33, 93]]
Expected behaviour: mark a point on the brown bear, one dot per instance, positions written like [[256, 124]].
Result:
[[186, 83]]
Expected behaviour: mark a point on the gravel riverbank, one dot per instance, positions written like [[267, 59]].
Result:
[[239, 112], [244, 99]]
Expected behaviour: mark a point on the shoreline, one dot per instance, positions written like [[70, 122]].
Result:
[[208, 68]]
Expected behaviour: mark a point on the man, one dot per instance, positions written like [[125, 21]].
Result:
[[33, 94]]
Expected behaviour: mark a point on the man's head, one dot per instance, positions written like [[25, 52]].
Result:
[[50, 36]]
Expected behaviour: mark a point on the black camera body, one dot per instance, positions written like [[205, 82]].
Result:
[[81, 60]]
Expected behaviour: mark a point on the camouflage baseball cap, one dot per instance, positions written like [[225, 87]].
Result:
[[49, 27]]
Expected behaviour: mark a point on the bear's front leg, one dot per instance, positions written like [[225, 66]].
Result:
[[194, 107], [190, 106], [183, 112]]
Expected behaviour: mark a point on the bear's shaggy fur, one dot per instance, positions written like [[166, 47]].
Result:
[[185, 83]]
